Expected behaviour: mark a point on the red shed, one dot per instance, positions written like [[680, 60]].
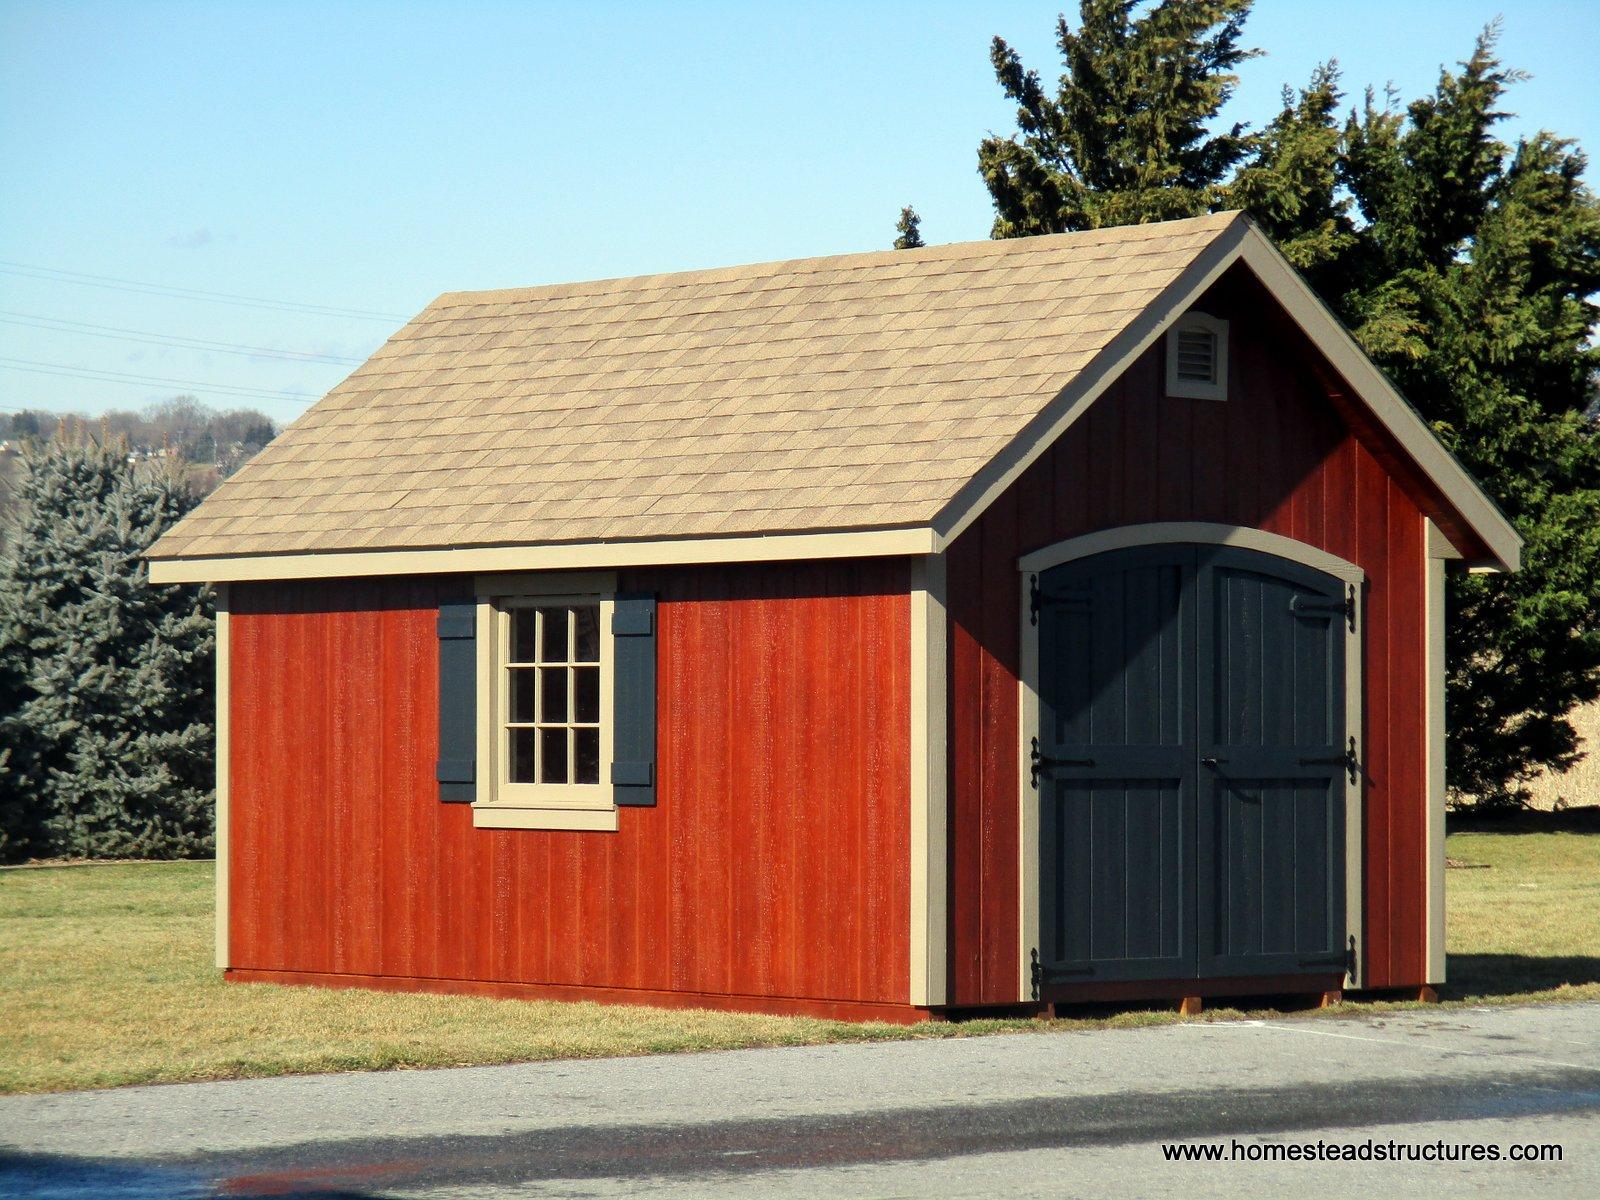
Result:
[[874, 636]]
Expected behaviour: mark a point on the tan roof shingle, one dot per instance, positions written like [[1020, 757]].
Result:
[[859, 391]]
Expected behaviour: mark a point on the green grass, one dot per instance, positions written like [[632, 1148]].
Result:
[[106, 979]]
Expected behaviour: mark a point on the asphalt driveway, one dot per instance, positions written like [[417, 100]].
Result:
[[1059, 1114]]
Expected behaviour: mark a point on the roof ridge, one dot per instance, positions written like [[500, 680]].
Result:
[[1215, 223]]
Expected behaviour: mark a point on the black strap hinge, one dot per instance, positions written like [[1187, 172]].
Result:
[[1300, 606], [1344, 960], [1041, 762], [1347, 760]]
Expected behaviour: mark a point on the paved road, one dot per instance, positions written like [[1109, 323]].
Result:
[[1060, 1114]]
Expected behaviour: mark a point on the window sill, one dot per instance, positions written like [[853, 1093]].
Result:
[[499, 816]]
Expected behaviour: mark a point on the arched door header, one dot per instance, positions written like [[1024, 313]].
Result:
[[1200, 532]]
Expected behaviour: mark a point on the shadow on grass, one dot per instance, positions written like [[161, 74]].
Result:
[[1513, 974], [1584, 819]]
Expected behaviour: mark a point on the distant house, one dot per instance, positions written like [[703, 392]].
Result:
[[985, 625]]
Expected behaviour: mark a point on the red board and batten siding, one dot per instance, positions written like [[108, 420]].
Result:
[[1277, 456], [774, 866]]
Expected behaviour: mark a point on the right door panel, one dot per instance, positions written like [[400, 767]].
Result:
[[1274, 759]]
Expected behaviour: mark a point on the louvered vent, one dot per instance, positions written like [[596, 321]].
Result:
[[1197, 356]]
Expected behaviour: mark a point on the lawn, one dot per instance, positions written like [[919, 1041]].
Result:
[[106, 979]]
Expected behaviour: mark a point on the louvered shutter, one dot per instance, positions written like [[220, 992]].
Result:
[[633, 765], [458, 702]]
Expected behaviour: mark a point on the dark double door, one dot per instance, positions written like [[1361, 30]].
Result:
[[1191, 766]]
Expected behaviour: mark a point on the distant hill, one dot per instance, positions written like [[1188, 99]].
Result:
[[211, 443]]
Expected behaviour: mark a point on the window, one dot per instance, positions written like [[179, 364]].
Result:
[[1197, 357], [552, 717], [546, 704]]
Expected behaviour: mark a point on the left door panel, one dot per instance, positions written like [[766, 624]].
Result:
[[1115, 767]]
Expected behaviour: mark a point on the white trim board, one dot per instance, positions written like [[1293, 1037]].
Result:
[[859, 543], [224, 652], [1439, 551], [1162, 533], [929, 788], [1167, 533]]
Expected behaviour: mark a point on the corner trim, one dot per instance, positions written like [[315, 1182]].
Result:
[[223, 754], [1438, 552], [929, 787]]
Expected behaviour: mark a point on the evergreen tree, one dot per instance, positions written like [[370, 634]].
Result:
[[908, 230], [1127, 137], [109, 720], [1290, 182], [1464, 266]]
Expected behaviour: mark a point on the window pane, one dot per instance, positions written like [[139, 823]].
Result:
[[553, 686], [553, 641], [522, 683], [522, 635], [521, 755], [586, 694], [553, 756], [586, 634], [586, 744]]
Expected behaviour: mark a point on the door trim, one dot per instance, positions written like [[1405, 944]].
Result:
[[1204, 533], [1160, 533]]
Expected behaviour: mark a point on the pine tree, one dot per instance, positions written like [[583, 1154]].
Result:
[[1464, 267], [109, 726], [908, 230], [1290, 182], [1127, 137]]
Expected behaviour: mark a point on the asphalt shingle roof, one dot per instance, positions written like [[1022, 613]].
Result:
[[858, 391]]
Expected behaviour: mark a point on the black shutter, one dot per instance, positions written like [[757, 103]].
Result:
[[633, 741], [458, 702]]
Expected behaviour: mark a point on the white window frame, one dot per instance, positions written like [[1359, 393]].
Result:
[[1195, 389], [500, 803]]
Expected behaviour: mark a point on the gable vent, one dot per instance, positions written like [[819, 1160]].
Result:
[[1197, 357]]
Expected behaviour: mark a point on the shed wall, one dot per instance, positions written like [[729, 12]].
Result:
[[774, 865], [1276, 455]]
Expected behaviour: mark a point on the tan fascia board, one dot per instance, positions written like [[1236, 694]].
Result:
[[1373, 388], [1243, 242], [1086, 387], [861, 543]]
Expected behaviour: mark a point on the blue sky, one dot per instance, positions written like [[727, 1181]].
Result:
[[364, 157]]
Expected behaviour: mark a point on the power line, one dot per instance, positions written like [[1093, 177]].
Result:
[[66, 371], [156, 339], [57, 275]]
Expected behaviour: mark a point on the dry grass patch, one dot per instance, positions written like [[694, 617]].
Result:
[[106, 979]]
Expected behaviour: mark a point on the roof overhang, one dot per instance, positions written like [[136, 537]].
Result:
[[854, 543], [1243, 243]]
